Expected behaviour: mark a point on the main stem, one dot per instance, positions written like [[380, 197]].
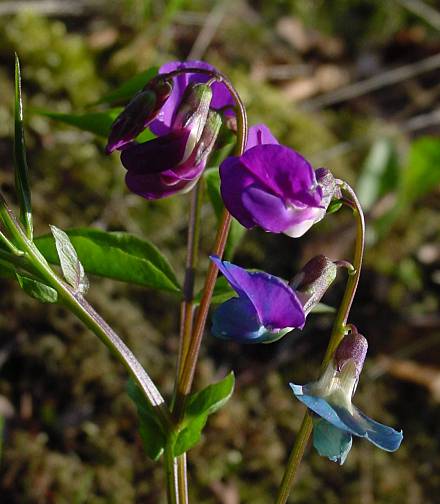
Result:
[[186, 376], [338, 331]]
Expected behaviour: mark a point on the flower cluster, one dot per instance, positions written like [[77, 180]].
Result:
[[269, 186]]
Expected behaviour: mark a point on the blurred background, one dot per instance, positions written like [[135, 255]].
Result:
[[351, 84]]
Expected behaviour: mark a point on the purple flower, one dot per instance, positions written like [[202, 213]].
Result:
[[274, 187], [265, 310], [336, 419], [221, 97], [173, 162]]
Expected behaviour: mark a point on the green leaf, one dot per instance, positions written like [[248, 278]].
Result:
[[129, 87], [422, 173], [36, 289], [21, 168], [98, 123], [323, 308], [379, 173], [211, 398], [117, 255], [150, 430], [199, 406], [237, 231], [71, 266]]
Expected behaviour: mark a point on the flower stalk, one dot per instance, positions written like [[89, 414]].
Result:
[[338, 332]]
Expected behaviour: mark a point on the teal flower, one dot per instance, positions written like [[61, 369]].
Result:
[[336, 419]]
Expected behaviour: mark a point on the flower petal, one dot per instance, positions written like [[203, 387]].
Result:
[[260, 134], [275, 302], [157, 155], [283, 172], [320, 406], [238, 320], [356, 422], [221, 96], [330, 441], [272, 214], [380, 435]]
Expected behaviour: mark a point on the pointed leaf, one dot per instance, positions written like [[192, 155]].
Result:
[[7, 269], [378, 174], [212, 398], [21, 167], [36, 289], [71, 266], [200, 405], [98, 123], [130, 87], [117, 255], [150, 430]]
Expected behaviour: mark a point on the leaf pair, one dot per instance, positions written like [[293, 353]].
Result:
[[198, 408]]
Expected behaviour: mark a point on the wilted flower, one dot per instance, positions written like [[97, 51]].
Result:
[[265, 310], [274, 187], [336, 419]]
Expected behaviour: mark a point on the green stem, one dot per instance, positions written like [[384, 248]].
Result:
[[338, 331], [82, 309]]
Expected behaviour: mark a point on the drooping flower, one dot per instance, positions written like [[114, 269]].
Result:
[[336, 419], [173, 162], [180, 110], [265, 310], [267, 307], [221, 97], [274, 187]]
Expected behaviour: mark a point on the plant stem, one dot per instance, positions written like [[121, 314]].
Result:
[[189, 365], [338, 331], [82, 309]]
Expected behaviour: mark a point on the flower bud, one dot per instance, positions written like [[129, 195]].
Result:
[[192, 114], [209, 136], [353, 348], [313, 280], [139, 112]]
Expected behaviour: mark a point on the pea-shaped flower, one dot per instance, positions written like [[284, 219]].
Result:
[[336, 419], [265, 310], [173, 162], [274, 187], [267, 307]]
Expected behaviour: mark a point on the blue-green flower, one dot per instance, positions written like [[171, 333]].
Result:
[[336, 419]]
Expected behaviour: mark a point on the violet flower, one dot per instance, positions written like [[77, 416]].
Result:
[[336, 419], [274, 187], [221, 97], [173, 162], [265, 310]]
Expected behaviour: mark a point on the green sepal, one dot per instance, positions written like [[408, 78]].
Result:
[[334, 206], [116, 255], [150, 429], [21, 168], [199, 406], [36, 289]]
